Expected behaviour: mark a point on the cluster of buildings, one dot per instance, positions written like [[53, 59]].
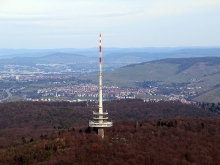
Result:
[[58, 76], [89, 91], [86, 91]]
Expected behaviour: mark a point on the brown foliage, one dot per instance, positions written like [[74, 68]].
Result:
[[28, 135], [148, 144]]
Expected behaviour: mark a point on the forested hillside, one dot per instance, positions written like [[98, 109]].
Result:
[[142, 133], [64, 114], [33, 119], [175, 141]]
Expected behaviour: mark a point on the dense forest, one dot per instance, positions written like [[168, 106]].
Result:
[[151, 133], [177, 141]]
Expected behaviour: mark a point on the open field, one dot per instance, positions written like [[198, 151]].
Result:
[[212, 96]]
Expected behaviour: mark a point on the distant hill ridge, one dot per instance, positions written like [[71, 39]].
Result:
[[185, 63], [63, 58], [109, 54], [56, 58], [201, 51]]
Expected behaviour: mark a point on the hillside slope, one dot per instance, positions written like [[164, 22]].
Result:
[[202, 73], [33, 119], [176, 141], [211, 96]]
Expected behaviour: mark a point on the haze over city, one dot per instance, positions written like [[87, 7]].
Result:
[[76, 23]]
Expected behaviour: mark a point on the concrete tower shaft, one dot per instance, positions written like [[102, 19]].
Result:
[[100, 119]]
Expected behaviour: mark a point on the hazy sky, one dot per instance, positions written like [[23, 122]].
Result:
[[123, 23]]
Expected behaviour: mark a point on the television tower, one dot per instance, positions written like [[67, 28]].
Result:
[[100, 118]]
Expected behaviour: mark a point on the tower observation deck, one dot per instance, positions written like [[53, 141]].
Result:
[[100, 118]]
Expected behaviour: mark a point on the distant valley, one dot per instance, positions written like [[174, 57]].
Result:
[[150, 73], [48, 100]]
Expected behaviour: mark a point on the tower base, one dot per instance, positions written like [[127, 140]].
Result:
[[101, 132]]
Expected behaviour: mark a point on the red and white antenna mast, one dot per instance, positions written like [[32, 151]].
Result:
[[100, 119], [100, 74]]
